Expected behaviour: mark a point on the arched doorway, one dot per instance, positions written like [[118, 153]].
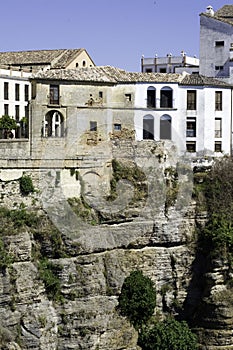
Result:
[[165, 127], [53, 125], [148, 127]]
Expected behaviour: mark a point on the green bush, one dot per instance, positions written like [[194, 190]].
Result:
[[49, 275], [137, 300], [26, 185], [5, 258], [169, 334]]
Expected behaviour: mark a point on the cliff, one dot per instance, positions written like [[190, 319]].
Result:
[[63, 262]]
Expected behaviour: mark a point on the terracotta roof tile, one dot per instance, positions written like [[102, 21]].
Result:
[[224, 14], [106, 74], [201, 80], [58, 58]]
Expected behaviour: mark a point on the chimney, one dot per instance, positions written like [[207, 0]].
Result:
[[210, 10]]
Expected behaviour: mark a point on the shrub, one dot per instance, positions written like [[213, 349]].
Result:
[[5, 258], [169, 334], [137, 299], [7, 123], [26, 185], [49, 274]]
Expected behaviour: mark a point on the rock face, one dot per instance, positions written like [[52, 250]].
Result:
[[86, 264]]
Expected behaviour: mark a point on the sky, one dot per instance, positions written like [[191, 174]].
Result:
[[115, 33]]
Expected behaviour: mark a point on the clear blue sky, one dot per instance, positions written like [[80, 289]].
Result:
[[115, 33]]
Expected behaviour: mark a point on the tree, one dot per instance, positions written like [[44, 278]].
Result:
[[7, 124], [169, 334], [137, 300]]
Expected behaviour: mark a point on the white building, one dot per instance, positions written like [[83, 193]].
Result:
[[170, 64], [191, 110], [216, 43], [15, 92]]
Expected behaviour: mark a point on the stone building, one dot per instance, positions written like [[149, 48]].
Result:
[[15, 88]]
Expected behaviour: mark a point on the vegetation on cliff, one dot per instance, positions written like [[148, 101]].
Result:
[[137, 302], [217, 194]]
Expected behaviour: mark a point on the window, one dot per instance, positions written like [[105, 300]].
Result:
[[26, 92], [191, 99], [165, 127], [84, 63], [219, 43], [218, 146], [53, 125], [93, 126], [6, 91], [6, 109], [76, 64], [26, 111], [117, 127], [162, 70], [218, 128], [17, 92], [100, 94], [191, 146], [128, 97], [54, 95], [151, 97], [17, 113], [218, 100], [191, 127], [148, 70], [218, 67], [166, 97], [148, 127]]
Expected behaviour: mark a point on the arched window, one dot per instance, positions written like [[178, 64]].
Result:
[[151, 95], [84, 63], [148, 127], [165, 127], [53, 125], [166, 97]]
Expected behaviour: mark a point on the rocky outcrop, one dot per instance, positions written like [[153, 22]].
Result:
[[62, 274]]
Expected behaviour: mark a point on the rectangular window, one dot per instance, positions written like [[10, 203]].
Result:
[[100, 94], [17, 113], [117, 127], [219, 43], [191, 127], [218, 146], [163, 70], [218, 128], [26, 92], [128, 97], [17, 92], [148, 70], [218, 100], [218, 67], [191, 100], [6, 91], [26, 111], [54, 94], [6, 109], [191, 146], [93, 126]]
